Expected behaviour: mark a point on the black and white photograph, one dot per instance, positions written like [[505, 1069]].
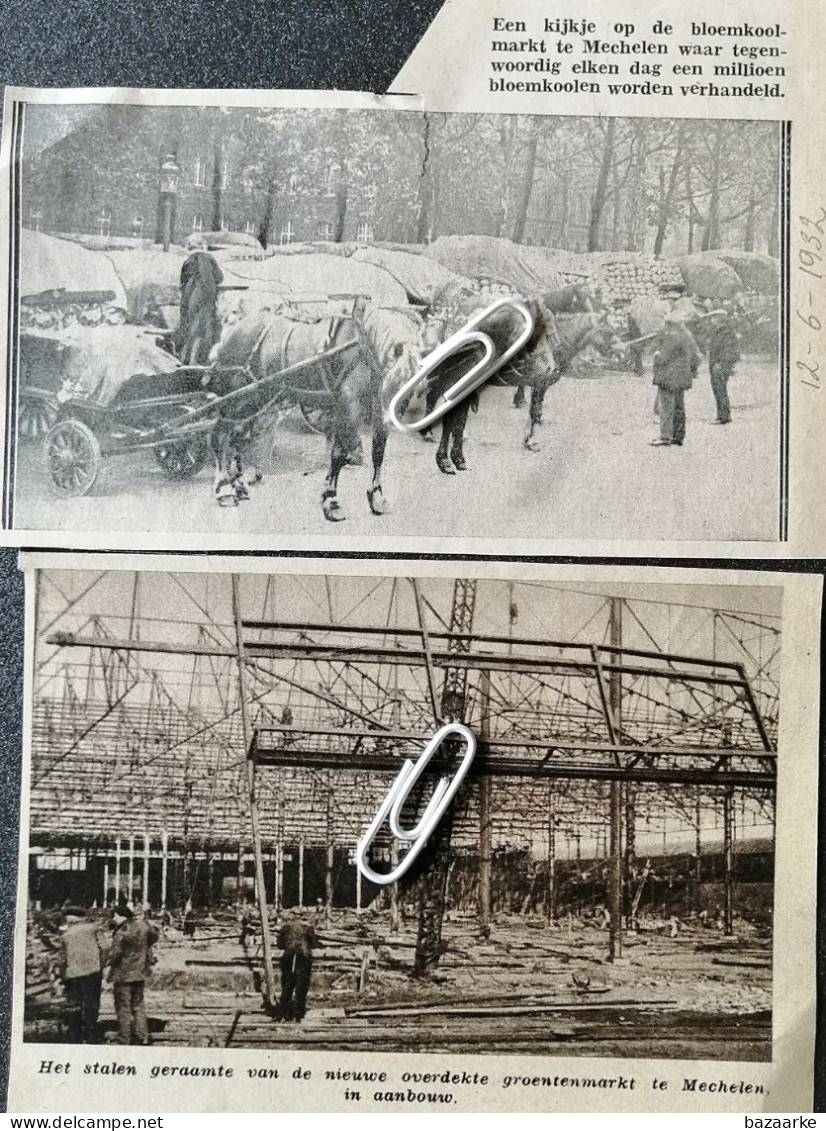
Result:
[[210, 754], [212, 307]]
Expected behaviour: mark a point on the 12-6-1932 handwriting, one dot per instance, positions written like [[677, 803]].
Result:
[[810, 262]]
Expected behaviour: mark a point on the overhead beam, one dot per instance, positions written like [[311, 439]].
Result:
[[492, 661], [485, 638], [487, 763], [547, 745]]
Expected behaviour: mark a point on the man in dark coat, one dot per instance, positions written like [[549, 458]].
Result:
[[723, 355], [297, 939], [129, 962], [675, 366], [199, 327]]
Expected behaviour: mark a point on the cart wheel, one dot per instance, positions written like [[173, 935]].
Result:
[[182, 459], [35, 416], [317, 418], [73, 458]]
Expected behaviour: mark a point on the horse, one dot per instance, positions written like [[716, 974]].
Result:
[[362, 359], [556, 341]]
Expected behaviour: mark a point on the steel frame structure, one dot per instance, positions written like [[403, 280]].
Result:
[[558, 710]]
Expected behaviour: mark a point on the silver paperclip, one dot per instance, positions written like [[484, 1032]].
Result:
[[398, 794], [471, 380]]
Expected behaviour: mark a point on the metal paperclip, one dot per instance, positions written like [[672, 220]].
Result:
[[471, 380], [398, 794]]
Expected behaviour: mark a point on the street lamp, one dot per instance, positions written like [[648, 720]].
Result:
[[168, 190]]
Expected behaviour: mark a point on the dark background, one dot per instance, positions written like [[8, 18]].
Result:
[[345, 44]]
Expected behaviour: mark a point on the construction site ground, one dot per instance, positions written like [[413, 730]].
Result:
[[529, 988]]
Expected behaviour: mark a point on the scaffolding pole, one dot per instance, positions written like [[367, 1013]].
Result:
[[145, 876], [255, 827], [485, 815], [728, 854], [550, 896], [614, 715], [164, 866]]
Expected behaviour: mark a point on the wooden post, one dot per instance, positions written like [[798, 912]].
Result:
[[164, 866], [106, 883], [615, 811], [698, 847], [485, 816], [630, 849], [728, 853], [550, 898], [301, 874], [395, 916], [255, 827], [239, 874], [328, 867], [328, 885], [358, 892], [130, 900], [145, 876]]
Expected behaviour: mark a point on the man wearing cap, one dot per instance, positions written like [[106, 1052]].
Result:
[[723, 355], [297, 940], [83, 955], [128, 970], [675, 366]]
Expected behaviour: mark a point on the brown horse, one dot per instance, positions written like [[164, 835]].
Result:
[[556, 341], [349, 365]]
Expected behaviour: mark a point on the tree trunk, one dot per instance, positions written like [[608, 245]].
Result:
[[667, 196], [424, 218], [711, 236], [218, 183], [506, 137], [523, 202], [773, 244], [265, 227], [751, 216], [340, 219], [601, 189], [692, 210]]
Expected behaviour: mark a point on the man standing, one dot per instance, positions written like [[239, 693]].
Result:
[[128, 970], [199, 327], [297, 939], [82, 968], [675, 366], [723, 355]]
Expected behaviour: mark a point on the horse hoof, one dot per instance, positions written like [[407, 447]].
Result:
[[333, 511], [228, 500], [428, 437], [377, 501], [251, 477], [531, 446], [459, 463], [445, 466]]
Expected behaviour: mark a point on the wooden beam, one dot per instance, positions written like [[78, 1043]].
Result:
[[485, 817], [261, 891]]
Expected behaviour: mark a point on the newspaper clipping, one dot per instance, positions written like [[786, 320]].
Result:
[[214, 297], [611, 914]]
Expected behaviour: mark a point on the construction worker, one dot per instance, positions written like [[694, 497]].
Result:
[[297, 940], [129, 965], [83, 956]]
